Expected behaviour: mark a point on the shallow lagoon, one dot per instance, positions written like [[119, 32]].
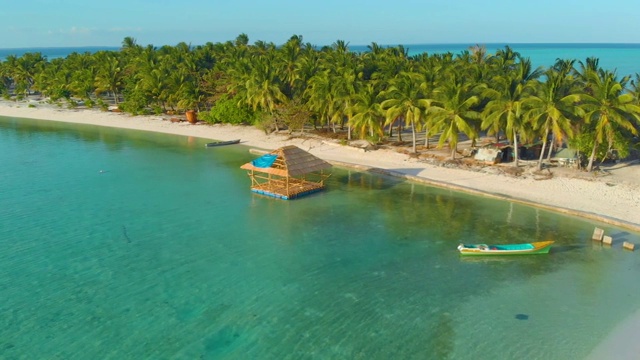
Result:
[[167, 254]]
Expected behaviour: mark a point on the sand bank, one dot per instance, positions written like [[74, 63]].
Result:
[[621, 344], [613, 199]]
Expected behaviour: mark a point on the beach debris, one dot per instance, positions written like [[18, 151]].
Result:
[[629, 246], [598, 234], [522, 316], [488, 155], [544, 174]]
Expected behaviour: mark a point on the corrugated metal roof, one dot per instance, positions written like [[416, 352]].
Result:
[[566, 153]]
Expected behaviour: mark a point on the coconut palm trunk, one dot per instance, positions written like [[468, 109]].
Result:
[[592, 157], [413, 136], [426, 138], [544, 146], [553, 141], [515, 148]]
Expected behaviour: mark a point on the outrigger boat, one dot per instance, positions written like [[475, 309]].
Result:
[[540, 247], [220, 143]]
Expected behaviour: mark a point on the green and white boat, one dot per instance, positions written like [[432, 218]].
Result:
[[540, 247]]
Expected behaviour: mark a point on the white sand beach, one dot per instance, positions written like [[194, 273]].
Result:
[[612, 198]]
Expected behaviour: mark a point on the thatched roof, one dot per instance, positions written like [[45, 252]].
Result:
[[291, 161]]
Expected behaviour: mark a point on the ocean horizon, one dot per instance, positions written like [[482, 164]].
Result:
[[624, 58]]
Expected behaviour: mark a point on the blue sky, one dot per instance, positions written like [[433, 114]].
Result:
[[60, 23]]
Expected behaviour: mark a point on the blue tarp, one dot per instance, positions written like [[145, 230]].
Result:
[[264, 161]]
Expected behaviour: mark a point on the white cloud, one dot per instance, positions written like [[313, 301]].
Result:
[[125, 29], [76, 31]]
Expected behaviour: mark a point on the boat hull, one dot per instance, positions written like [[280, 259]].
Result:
[[221, 143], [541, 247]]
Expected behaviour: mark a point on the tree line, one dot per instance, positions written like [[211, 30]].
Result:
[[367, 94]]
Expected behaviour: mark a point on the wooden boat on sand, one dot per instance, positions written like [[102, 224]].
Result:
[[540, 247], [221, 143]]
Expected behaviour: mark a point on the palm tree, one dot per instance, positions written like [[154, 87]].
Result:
[[262, 86], [588, 69], [23, 70], [288, 56], [367, 112], [454, 111], [550, 109], [406, 101], [609, 109], [54, 79], [5, 79], [433, 71], [109, 74], [634, 88], [319, 95], [504, 59], [242, 40], [307, 66], [340, 46], [505, 109], [82, 70], [344, 89], [129, 43]]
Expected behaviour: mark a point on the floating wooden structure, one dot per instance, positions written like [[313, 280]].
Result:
[[287, 173], [629, 246], [607, 240]]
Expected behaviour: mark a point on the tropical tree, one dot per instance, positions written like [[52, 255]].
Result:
[[368, 115], [634, 88], [454, 111], [319, 95], [289, 57], [433, 71], [23, 70], [344, 89], [504, 59], [505, 110], [83, 72], [551, 108], [609, 109], [109, 75], [262, 86], [405, 100], [54, 80], [5, 79]]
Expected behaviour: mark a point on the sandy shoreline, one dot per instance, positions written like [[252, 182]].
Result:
[[614, 199]]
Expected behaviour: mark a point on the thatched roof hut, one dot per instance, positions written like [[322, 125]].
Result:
[[287, 173]]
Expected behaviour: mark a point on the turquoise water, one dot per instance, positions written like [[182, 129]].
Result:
[[54, 52], [119, 244]]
